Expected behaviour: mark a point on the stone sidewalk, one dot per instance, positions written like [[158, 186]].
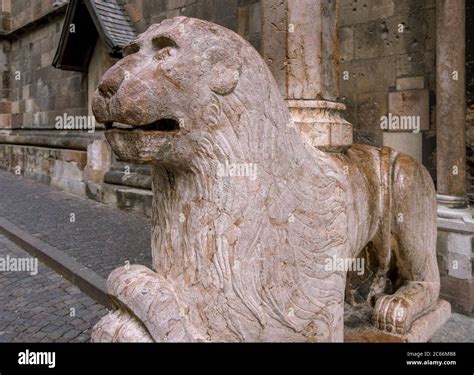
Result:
[[42, 307], [100, 237], [37, 308]]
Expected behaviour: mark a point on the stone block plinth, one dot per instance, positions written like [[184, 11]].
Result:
[[321, 123], [455, 258]]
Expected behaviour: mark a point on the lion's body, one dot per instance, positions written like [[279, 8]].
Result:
[[242, 257]]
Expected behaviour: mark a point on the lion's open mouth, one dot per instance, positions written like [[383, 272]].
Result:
[[163, 125]]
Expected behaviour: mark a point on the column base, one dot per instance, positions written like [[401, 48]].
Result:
[[321, 124], [452, 201]]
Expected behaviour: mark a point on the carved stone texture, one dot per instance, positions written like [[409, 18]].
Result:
[[246, 213], [422, 329]]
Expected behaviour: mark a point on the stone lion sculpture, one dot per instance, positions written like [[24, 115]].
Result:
[[245, 212]]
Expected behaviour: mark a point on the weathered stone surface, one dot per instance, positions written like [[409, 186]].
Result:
[[353, 12], [60, 168], [412, 104], [393, 41], [408, 143], [302, 50], [246, 212], [41, 93], [313, 50], [321, 123], [5, 121], [362, 73], [454, 247], [410, 83], [451, 100], [274, 40], [460, 293], [379, 38], [346, 44], [98, 161], [120, 327], [123, 197], [370, 108]]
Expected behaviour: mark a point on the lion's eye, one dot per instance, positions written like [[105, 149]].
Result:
[[161, 42], [164, 47], [130, 49]]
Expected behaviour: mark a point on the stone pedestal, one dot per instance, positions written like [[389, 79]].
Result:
[[455, 258], [322, 124], [358, 327]]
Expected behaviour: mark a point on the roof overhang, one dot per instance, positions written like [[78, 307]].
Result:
[[85, 21]]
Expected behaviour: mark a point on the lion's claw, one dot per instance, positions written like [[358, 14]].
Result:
[[392, 313]]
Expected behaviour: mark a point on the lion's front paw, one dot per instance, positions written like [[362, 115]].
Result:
[[120, 326], [393, 314]]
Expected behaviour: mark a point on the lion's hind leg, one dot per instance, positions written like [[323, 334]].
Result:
[[413, 210]]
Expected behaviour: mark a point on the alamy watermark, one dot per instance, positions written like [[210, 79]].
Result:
[[66, 122], [345, 264], [400, 123], [13, 264], [237, 170], [37, 358]]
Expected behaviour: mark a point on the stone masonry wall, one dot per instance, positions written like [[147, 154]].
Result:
[[26, 11], [39, 92], [242, 16], [33, 94], [387, 54]]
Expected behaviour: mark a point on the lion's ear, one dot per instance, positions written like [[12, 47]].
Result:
[[225, 69]]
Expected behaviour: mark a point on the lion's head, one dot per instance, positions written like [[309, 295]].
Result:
[[164, 85]]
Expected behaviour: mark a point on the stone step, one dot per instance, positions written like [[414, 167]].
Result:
[[123, 197]]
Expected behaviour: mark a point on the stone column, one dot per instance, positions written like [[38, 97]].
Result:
[[301, 46], [451, 103]]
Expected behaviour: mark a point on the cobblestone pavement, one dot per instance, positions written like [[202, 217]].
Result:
[[42, 307], [101, 238]]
